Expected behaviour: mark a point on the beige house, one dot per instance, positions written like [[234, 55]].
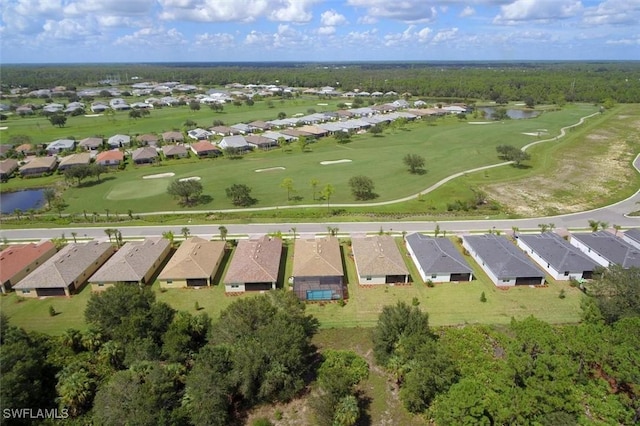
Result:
[[39, 166], [17, 261], [317, 269], [255, 265], [135, 263], [193, 265], [378, 260], [74, 160], [7, 167], [67, 271]]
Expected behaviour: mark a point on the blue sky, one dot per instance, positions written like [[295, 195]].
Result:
[[81, 31]]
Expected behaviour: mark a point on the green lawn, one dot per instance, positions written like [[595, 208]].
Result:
[[447, 303], [450, 146]]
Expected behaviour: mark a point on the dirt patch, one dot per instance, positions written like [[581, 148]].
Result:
[[586, 173]]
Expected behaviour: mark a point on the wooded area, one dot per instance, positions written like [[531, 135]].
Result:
[[145, 362], [544, 82]]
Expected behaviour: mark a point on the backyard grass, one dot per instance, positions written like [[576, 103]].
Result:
[[447, 303]]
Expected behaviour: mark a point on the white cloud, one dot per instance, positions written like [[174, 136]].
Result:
[[215, 40], [613, 13], [444, 36], [537, 10], [625, 42], [257, 38], [66, 29], [410, 11], [237, 10], [326, 30], [152, 37], [407, 37], [331, 18], [467, 11]]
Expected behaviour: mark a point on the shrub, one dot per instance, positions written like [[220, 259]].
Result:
[[562, 294], [430, 283], [415, 301], [52, 311], [483, 297]]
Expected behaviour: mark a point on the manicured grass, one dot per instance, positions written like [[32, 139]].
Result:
[[447, 303], [450, 146]]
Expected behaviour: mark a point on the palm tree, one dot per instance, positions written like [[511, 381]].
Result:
[[169, 236], [604, 225], [32, 213], [327, 192], [75, 389], [130, 213], [74, 235], [294, 229], [84, 213], [223, 232], [107, 211], [617, 228], [49, 194], [185, 232], [109, 233], [543, 227], [347, 412], [118, 236], [112, 354], [92, 339], [18, 213], [71, 339], [594, 225], [314, 186]]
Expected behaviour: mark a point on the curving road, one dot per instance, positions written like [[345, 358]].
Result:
[[615, 214]]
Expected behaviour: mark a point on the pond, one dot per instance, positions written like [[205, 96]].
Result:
[[23, 200], [516, 114]]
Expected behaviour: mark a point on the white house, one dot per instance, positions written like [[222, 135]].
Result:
[[556, 256]]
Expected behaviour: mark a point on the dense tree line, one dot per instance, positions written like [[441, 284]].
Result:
[[530, 372], [537, 82]]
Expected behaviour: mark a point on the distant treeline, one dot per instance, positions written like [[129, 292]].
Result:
[[545, 82]]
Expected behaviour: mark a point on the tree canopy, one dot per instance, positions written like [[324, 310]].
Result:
[[415, 163], [362, 187], [187, 190], [240, 195]]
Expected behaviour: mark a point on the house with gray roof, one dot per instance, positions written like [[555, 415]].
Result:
[[194, 264], [632, 236], [607, 249], [378, 260], [437, 259], [242, 128], [504, 263], [199, 134], [235, 142], [317, 269], [135, 263], [277, 135], [56, 147], [556, 256], [118, 141], [255, 265], [66, 271]]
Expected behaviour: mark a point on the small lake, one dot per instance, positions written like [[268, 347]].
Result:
[[516, 114], [23, 200]]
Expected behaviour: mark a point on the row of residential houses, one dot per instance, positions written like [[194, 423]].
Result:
[[36, 270]]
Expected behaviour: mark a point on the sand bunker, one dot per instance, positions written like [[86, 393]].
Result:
[[481, 122], [159, 175], [323, 104], [93, 115], [3, 128], [324, 163], [189, 178], [270, 169]]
